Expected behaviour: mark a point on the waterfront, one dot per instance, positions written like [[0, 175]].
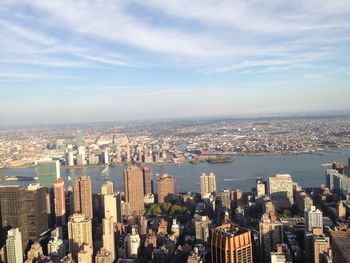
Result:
[[306, 169]]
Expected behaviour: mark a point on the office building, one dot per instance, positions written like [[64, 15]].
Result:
[[313, 218], [133, 189], [110, 207], [48, 172], [60, 202], [81, 156], [132, 244], [85, 255], [208, 184], [56, 249], [281, 190], [320, 244], [340, 241], [108, 236], [107, 188], [231, 243], [37, 222], [83, 196], [201, 224], [270, 234], [79, 233], [147, 181], [165, 187], [104, 256], [14, 249], [226, 199], [13, 197]]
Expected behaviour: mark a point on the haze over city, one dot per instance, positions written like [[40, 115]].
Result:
[[87, 61]]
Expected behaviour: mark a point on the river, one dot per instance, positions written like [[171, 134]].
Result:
[[306, 169]]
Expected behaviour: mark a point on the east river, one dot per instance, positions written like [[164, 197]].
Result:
[[306, 169]]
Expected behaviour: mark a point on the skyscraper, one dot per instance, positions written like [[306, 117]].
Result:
[[108, 235], [165, 187], [48, 172], [79, 233], [110, 207], [208, 184], [60, 202], [147, 180], [37, 222], [13, 197], [231, 243], [14, 249], [313, 218], [83, 196], [281, 190], [133, 188], [201, 224]]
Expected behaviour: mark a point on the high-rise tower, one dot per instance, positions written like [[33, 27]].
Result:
[[60, 202], [83, 196], [133, 188]]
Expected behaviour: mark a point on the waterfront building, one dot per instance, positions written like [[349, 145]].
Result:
[[14, 249], [313, 218], [208, 184], [133, 189], [13, 197], [260, 188], [83, 196], [69, 157], [281, 190], [165, 187], [105, 157], [108, 236], [79, 233], [147, 181], [48, 172], [132, 244], [231, 243], [81, 156], [60, 202], [36, 205]]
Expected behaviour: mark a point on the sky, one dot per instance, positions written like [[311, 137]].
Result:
[[64, 61]]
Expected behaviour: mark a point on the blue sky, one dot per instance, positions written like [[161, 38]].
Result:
[[78, 61]]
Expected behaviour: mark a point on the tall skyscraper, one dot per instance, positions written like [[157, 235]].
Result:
[[83, 196], [110, 207], [231, 243], [313, 218], [36, 211], [281, 190], [108, 235], [60, 202], [14, 249], [107, 188], [165, 187], [208, 184], [147, 180], [48, 172], [79, 233], [133, 188], [13, 211]]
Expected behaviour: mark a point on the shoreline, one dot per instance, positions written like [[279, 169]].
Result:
[[257, 154]]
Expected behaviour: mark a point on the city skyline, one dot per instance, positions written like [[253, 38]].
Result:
[[81, 61]]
